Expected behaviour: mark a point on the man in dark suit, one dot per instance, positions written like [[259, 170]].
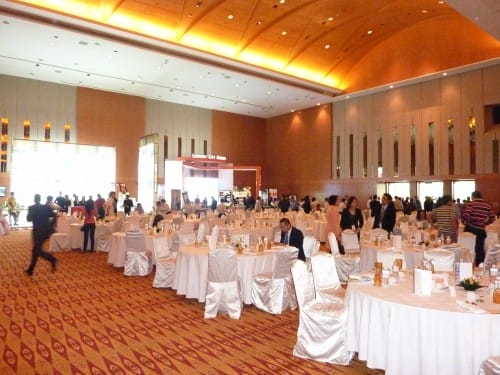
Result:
[[387, 213], [292, 236], [43, 218], [375, 211]]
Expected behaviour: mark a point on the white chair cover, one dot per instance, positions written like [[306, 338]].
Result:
[[186, 238], [273, 292], [212, 242], [326, 280], [103, 238], [4, 225], [490, 366], [202, 230], [117, 225], [187, 227], [310, 245], [443, 260], [378, 232], [215, 231], [322, 326], [387, 258], [345, 264], [223, 291], [468, 240], [137, 262], [165, 263], [276, 234], [492, 256], [59, 242], [350, 241]]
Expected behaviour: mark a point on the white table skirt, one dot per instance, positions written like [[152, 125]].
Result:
[[413, 255], [118, 250], [402, 333], [191, 271]]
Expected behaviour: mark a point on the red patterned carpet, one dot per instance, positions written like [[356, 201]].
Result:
[[87, 318]]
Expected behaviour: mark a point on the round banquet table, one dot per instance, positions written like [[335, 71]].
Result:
[[403, 333], [191, 271], [118, 249], [413, 255]]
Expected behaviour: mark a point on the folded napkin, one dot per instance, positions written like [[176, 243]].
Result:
[[470, 307]]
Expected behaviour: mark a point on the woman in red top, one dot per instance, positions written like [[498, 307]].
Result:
[[88, 226]]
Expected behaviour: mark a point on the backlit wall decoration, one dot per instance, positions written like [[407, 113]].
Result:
[[4, 144]]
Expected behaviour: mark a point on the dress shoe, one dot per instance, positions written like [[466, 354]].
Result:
[[54, 266]]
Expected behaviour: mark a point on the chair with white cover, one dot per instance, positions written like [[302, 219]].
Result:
[[202, 230], [345, 264], [443, 260], [186, 238], [223, 289], [492, 256], [350, 241], [379, 232], [273, 291], [322, 326], [387, 258], [326, 279], [187, 227], [310, 245], [468, 240], [215, 231], [490, 366], [276, 234], [137, 262], [165, 263]]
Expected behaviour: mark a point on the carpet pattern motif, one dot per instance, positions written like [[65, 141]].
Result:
[[87, 318]]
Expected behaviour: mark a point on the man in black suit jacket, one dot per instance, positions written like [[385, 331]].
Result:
[[43, 218], [387, 213], [375, 211], [292, 236]]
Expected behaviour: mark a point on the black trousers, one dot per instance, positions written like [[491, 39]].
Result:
[[88, 231], [37, 252], [479, 248]]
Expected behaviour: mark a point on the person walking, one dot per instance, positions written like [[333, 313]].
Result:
[[88, 227], [44, 220], [476, 216]]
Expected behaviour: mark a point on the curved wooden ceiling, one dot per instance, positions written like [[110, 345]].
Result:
[[345, 44]]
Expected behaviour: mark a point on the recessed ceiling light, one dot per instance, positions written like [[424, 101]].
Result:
[[330, 18], [236, 85], [283, 33], [230, 17], [292, 110], [347, 97], [318, 104], [327, 46], [244, 100], [440, 2], [268, 93], [391, 86], [445, 74], [370, 32], [258, 23], [282, 1], [51, 43], [198, 4], [424, 11]]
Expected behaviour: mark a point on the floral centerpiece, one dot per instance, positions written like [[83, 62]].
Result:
[[470, 284]]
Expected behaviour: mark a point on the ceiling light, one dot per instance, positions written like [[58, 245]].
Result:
[[347, 97], [258, 23], [198, 4], [283, 33], [424, 11], [441, 2], [445, 74], [318, 104], [391, 86], [269, 93], [282, 1], [327, 46], [230, 17], [370, 32], [330, 18]]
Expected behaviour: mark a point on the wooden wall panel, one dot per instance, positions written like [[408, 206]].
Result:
[[242, 140], [110, 119], [299, 152]]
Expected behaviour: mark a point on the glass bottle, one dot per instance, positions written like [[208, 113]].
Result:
[[496, 291]]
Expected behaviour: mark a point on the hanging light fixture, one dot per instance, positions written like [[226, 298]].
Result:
[[472, 126], [47, 131], [67, 129], [4, 142]]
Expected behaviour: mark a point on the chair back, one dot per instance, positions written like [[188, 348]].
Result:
[[215, 231], [135, 241], [303, 282], [324, 271], [350, 240], [387, 258], [222, 265], [468, 240], [160, 247], [62, 224], [492, 256], [202, 230], [309, 245], [378, 232], [284, 261], [187, 227], [276, 234], [334, 245], [443, 260], [186, 238], [117, 225]]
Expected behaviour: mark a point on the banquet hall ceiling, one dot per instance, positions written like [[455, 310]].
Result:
[[256, 57]]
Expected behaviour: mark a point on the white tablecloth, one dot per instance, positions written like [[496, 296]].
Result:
[[413, 255], [102, 236], [118, 250], [402, 333], [191, 271]]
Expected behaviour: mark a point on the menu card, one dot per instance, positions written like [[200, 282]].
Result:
[[422, 282]]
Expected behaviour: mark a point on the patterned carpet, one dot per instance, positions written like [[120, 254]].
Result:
[[87, 318]]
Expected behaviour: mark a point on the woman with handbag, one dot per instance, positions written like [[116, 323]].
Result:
[[88, 227]]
